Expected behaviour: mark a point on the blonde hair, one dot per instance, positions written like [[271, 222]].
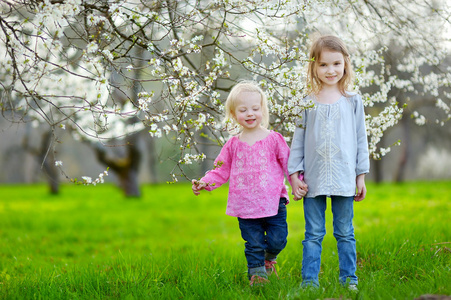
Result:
[[232, 99], [331, 43]]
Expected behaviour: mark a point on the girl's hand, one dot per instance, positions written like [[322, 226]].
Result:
[[361, 188], [299, 187], [300, 192], [198, 186]]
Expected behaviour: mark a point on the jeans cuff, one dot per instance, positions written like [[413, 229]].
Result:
[[348, 281], [270, 256], [309, 284]]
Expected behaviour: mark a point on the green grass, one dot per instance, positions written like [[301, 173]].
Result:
[[91, 243]]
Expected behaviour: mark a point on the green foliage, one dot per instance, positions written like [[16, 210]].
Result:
[[91, 243]]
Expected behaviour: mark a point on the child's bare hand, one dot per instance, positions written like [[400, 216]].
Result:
[[301, 191], [299, 187], [197, 186], [361, 188]]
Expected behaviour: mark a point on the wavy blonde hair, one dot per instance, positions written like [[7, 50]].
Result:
[[232, 99], [331, 43]]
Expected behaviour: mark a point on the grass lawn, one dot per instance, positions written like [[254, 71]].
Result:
[[91, 243]]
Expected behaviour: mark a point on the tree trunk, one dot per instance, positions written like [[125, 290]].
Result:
[[128, 181], [125, 167], [400, 172], [47, 158], [153, 159], [377, 167], [377, 171]]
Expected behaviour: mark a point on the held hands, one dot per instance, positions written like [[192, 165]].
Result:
[[301, 191], [299, 187], [198, 186], [361, 188]]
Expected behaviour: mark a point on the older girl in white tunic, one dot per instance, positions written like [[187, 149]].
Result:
[[330, 152]]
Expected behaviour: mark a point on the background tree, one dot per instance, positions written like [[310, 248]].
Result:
[[417, 55], [107, 70]]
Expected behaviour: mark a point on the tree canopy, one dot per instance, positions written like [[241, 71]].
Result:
[[106, 69]]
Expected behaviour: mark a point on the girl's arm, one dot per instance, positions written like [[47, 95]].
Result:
[[298, 186], [282, 154], [296, 159], [363, 159], [221, 171]]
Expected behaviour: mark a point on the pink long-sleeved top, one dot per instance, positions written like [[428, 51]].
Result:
[[256, 175]]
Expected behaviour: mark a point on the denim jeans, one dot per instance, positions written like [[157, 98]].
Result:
[[314, 213], [265, 238]]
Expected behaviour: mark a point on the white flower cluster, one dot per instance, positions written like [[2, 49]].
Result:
[[189, 158], [445, 107], [442, 105], [86, 180], [376, 126], [154, 131], [144, 100], [419, 119]]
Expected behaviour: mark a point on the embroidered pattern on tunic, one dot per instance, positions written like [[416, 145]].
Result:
[[263, 155], [245, 161], [329, 168], [240, 162]]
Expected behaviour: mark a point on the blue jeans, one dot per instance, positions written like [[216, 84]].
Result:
[[265, 239], [314, 213]]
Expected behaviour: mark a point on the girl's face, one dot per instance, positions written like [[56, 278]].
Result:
[[248, 111], [330, 67]]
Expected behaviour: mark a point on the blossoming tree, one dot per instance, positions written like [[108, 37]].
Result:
[[108, 69]]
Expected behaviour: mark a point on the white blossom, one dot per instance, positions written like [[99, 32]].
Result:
[[92, 47], [86, 179]]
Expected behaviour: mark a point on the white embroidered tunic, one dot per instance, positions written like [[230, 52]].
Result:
[[256, 174], [330, 147]]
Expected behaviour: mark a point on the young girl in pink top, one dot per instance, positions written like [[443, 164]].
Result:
[[255, 163]]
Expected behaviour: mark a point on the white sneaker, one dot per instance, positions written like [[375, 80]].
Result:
[[353, 287]]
